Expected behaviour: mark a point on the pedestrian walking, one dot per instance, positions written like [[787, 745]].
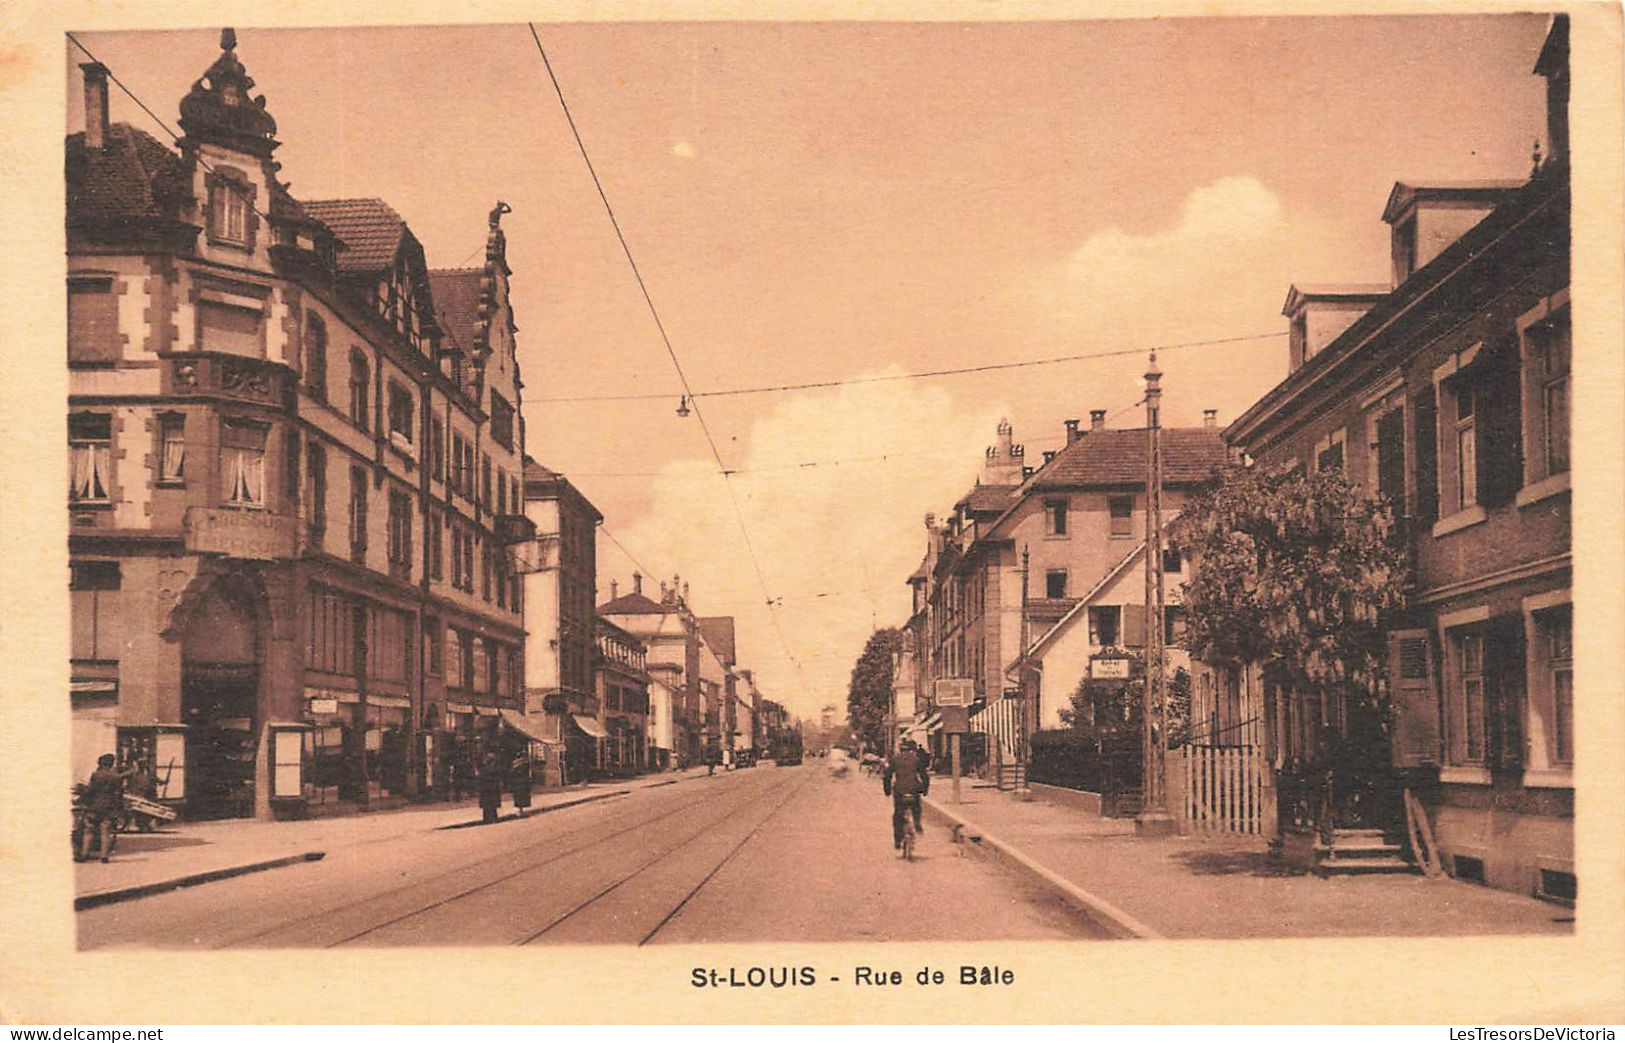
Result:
[[491, 788], [520, 769], [103, 804]]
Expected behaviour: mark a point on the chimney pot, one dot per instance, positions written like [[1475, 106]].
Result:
[[1049, 454], [95, 105], [1210, 418], [614, 585], [1097, 419], [1071, 431], [637, 582]]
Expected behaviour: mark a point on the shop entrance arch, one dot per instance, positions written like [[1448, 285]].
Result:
[[221, 644]]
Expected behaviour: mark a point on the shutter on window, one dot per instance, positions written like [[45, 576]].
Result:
[[1425, 409], [1133, 626], [1391, 458], [1500, 423], [1415, 700], [1505, 682]]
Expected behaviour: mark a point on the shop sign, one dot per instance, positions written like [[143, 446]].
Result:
[[1109, 669], [955, 691], [258, 535], [321, 706]]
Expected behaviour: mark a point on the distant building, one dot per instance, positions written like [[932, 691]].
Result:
[[623, 699], [673, 646], [560, 591]]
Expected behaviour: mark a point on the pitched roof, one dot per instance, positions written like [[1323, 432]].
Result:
[[719, 634], [134, 176], [535, 472], [457, 293], [1116, 456], [987, 498], [633, 605], [370, 228]]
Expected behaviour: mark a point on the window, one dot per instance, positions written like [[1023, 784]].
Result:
[[501, 421], [437, 449], [242, 463], [400, 411], [436, 557], [502, 492], [231, 325], [1388, 454], [1122, 515], [359, 390], [1554, 629], [315, 356], [93, 333], [95, 610], [485, 480], [432, 646], [400, 532], [1172, 560], [229, 220], [90, 447], [1173, 626], [316, 491], [1546, 354], [358, 512], [1466, 450], [485, 572], [389, 644], [331, 620], [1104, 625], [513, 496], [1055, 517], [1329, 452], [172, 449], [1055, 583], [1466, 709]]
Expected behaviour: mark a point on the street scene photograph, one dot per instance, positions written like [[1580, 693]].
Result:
[[696, 482]]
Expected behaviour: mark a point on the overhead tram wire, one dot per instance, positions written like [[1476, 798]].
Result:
[[665, 339], [765, 389]]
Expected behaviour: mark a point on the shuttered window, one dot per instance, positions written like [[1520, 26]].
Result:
[[1414, 699], [93, 333]]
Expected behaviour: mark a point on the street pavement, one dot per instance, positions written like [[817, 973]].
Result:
[[757, 855]]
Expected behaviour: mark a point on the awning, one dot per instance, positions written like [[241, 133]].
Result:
[[486, 711], [93, 687], [399, 702], [460, 707], [526, 726], [590, 726]]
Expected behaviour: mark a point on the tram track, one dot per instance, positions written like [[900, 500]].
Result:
[[557, 848], [402, 923]]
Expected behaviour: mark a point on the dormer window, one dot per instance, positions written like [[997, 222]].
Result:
[[230, 211]]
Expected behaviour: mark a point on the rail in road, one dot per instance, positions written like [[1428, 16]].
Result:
[[567, 888]]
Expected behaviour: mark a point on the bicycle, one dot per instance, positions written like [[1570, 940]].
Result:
[[909, 804]]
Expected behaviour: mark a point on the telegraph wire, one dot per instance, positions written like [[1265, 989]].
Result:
[[921, 375], [665, 339], [174, 138]]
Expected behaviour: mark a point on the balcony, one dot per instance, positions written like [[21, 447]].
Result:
[[248, 379]]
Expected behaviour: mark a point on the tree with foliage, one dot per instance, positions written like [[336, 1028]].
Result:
[[869, 696], [1111, 712], [1295, 573]]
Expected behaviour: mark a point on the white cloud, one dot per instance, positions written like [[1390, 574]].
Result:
[[683, 150], [836, 541]]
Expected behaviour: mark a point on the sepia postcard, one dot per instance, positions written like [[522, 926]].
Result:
[[936, 514]]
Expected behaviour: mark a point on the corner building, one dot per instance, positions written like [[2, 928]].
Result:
[[294, 468]]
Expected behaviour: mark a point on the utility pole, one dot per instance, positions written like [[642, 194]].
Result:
[[1154, 818], [1021, 666]]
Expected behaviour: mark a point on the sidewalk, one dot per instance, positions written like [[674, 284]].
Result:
[[188, 853], [1220, 885]]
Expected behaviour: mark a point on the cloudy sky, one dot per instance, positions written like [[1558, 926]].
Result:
[[835, 202]]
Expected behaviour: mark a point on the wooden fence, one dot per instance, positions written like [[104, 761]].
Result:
[[1224, 789]]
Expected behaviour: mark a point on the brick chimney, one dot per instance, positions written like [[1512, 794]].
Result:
[[1097, 419], [614, 585], [637, 582], [95, 105], [1049, 454], [1071, 431], [1210, 418]]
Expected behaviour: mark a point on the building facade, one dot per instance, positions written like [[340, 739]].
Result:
[[261, 393], [671, 638], [1448, 395], [561, 687], [623, 700]]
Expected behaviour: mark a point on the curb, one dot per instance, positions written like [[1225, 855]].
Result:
[[514, 816], [125, 894], [1096, 908]]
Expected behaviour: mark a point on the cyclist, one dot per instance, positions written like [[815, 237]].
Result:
[[906, 779]]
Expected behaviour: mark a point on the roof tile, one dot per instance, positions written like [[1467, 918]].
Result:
[[370, 229], [1190, 455]]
